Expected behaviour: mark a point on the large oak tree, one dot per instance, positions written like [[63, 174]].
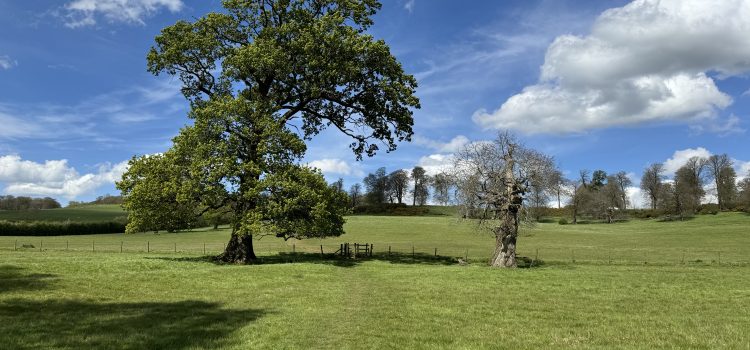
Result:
[[262, 77]]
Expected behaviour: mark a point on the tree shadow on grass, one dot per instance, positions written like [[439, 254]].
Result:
[[329, 259], [73, 324], [13, 278]]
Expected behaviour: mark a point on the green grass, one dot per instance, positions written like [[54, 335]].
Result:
[[706, 239], [86, 213], [79, 299]]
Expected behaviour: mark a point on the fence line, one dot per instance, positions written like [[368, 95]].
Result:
[[577, 255]]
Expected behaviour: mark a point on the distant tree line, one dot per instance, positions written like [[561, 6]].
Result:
[[590, 194], [684, 194], [59, 228], [27, 203], [105, 199]]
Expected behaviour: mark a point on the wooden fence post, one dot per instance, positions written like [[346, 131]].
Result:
[[175, 247], [120, 246], [321, 250], [294, 248], [40, 245], [412, 252], [15, 245], [204, 248], [148, 247], [67, 245], [389, 250], [435, 252], [93, 246]]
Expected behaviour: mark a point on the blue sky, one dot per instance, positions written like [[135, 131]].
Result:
[[609, 85]]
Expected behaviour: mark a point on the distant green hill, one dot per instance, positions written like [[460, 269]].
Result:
[[85, 213]]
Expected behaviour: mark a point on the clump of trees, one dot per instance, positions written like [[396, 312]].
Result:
[[381, 187], [684, 194], [105, 199], [27, 203]]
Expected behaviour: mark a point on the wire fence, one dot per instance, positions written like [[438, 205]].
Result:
[[385, 251]]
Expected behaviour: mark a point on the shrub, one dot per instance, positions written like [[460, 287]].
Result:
[[563, 221], [390, 209], [60, 228], [709, 208]]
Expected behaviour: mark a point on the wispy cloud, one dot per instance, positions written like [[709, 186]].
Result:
[[94, 118], [7, 63], [454, 145], [83, 13], [409, 5]]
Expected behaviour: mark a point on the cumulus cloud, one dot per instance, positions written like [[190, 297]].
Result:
[[334, 166], [680, 157], [649, 61], [54, 177], [6, 62], [436, 163], [82, 13], [451, 146]]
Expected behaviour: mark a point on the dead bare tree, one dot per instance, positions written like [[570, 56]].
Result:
[[493, 179]]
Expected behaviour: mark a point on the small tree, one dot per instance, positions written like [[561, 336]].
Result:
[[744, 194], [398, 182], [623, 182], [651, 182], [724, 177], [442, 187], [376, 185], [355, 195], [495, 178], [421, 191]]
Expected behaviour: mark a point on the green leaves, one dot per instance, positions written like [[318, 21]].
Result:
[[263, 77]]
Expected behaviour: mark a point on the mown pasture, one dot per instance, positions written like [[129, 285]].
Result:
[[637, 284]]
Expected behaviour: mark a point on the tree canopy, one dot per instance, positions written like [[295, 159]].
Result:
[[261, 78]]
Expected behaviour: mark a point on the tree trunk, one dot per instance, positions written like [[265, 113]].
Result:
[[505, 248], [239, 249], [507, 233]]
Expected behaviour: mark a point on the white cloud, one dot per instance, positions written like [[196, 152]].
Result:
[[679, 158], [82, 13], [409, 5], [436, 163], [649, 61], [451, 146], [636, 198], [54, 177], [334, 166], [742, 168], [7, 63]]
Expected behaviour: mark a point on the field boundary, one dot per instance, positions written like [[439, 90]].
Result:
[[534, 256]]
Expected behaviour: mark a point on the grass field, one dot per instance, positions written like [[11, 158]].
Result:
[[82, 299], [85, 213]]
